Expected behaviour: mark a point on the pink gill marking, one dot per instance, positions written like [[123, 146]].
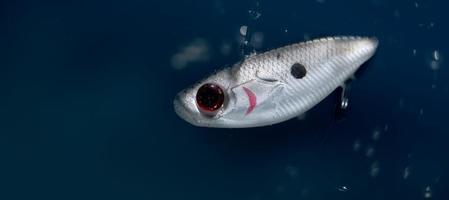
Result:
[[252, 100]]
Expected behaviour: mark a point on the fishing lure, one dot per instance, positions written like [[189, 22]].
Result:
[[274, 86]]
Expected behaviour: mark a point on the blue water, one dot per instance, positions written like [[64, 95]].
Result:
[[87, 89]]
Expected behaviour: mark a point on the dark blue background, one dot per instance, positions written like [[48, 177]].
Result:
[[87, 89]]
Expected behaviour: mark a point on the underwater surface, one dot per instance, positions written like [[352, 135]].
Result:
[[87, 92]]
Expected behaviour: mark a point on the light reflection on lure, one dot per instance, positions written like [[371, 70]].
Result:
[[274, 86]]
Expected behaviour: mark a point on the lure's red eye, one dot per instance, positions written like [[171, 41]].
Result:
[[210, 97]]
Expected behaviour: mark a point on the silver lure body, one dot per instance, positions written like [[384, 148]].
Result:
[[261, 90]]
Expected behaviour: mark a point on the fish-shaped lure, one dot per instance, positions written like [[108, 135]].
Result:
[[274, 86]]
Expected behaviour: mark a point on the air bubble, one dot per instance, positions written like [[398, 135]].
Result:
[[343, 188], [376, 134], [436, 59], [401, 103], [370, 152], [257, 40], [304, 192], [291, 171], [226, 48], [406, 172], [397, 14], [436, 55], [374, 172], [428, 192], [255, 15], [243, 30], [357, 145], [434, 65], [280, 189]]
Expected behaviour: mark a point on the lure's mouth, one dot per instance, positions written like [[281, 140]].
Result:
[[183, 112], [372, 44]]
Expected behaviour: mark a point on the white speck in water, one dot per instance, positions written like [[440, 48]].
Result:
[[414, 52], [243, 30], [428, 192], [357, 145], [286, 30], [374, 171], [416, 5], [406, 172], [386, 127], [321, 1], [421, 111], [370, 151], [343, 188], [376, 134]]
